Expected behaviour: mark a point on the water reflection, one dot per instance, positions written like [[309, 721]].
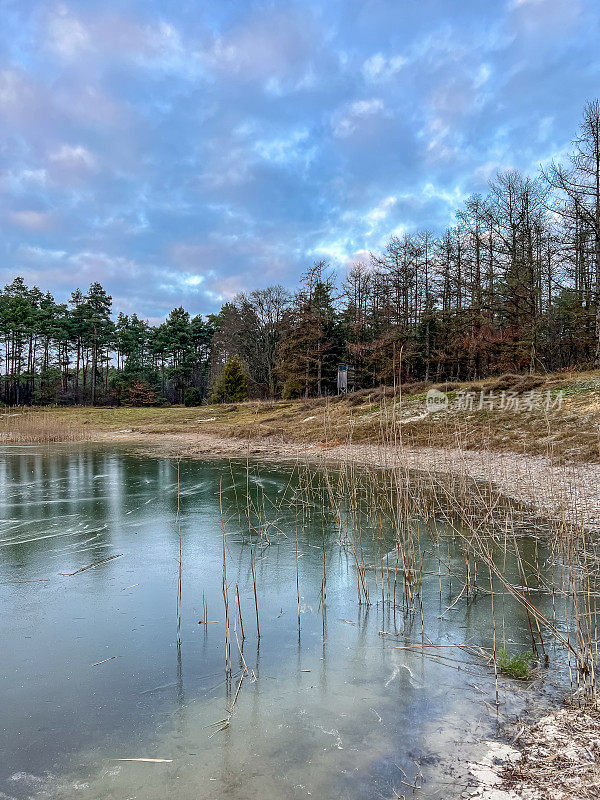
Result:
[[336, 712]]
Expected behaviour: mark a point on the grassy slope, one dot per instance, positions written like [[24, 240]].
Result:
[[571, 433]]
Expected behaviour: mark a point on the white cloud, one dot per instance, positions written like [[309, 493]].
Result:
[[90, 105], [379, 213], [24, 180], [41, 253], [278, 87], [337, 249], [9, 88], [162, 47], [33, 220], [452, 198], [362, 108], [275, 47], [379, 68], [483, 75], [193, 280], [346, 122], [287, 150], [545, 128], [17, 95], [545, 17], [74, 158], [36, 176], [67, 35], [226, 169]]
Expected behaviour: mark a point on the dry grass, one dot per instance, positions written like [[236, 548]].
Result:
[[362, 501], [571, 433], [24, 426], [394, 497], [398, 512], [559, 759]]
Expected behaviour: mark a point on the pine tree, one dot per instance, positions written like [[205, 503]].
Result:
[[232, 385], [308, 351], [99, 329]]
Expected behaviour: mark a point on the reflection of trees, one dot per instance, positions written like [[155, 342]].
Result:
[[52, 502], [73, 502]]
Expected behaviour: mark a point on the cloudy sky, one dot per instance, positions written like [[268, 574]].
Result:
[[181, 152]]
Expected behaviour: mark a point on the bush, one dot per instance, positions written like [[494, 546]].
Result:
[[140, 394], [292, 390], [232, 384], [517, 666], [517, 383], [49, 388], [192, 397]]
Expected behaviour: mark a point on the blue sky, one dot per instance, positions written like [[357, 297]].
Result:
[[182, 152]]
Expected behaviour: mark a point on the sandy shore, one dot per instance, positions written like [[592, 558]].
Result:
[[556, 758], [568, 492]]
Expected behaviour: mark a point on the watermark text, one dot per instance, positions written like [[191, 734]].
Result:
[[492, 401]]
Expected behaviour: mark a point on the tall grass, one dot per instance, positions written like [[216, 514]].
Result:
[[20, 426], [408, 516], [403, 514]]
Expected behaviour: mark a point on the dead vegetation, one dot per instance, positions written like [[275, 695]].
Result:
[[557, 758], [391, 499], [478, 548], [26, 426], [562, 748], [570, 432]]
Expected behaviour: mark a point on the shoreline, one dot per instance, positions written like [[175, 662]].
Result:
[[560, 738], [553, 757], [568, 493]]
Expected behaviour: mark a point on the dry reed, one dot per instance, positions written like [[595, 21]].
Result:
[[38, 426]]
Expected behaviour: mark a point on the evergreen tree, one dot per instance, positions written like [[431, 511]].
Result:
[[308, 351], [232, 385], [512, 285], [98, 331]]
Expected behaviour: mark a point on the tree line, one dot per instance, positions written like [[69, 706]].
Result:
[[513, 285]]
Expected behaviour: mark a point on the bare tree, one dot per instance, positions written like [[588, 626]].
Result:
[[580, 182]]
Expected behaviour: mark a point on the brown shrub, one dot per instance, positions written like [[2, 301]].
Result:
[[516, 383]]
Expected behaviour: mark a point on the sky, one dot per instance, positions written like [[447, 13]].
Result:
[[181, 152]]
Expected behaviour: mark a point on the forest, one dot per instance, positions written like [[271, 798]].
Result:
[[512, 286]]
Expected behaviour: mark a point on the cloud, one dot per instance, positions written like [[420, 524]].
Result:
[[24, 180], [31, 220], [274, 44], [296, 147], [75, 158], [67, 35], [18, 96], [182, 152], [226, 168], [348, 120], [380, 68], [540, 18], [89, 106], [377, 215], [10, 88]]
